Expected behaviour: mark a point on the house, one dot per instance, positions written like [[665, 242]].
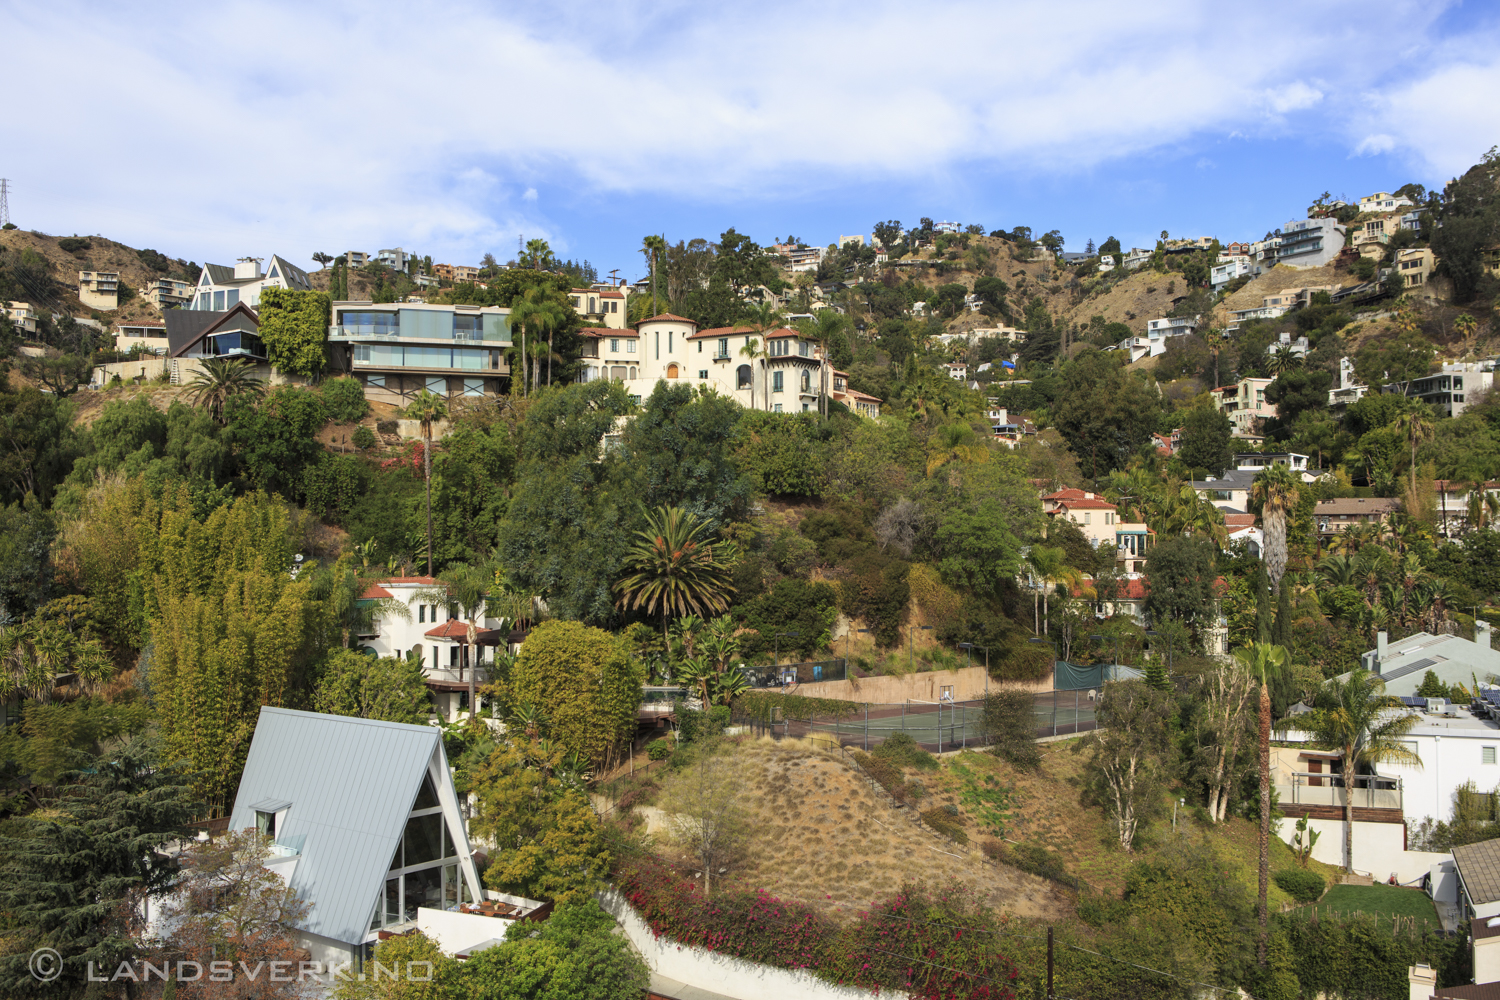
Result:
[[601, 304], [396, 259], [454, 273], [220, 287], [1335, 516], [1309, 242], [1450, 390], [1244, 403], [99, 289], [356, 258], [1403, 664], [858, 402], [168, 293], [1348, 389], [1159, 330], [1413, 219], [1009, 430], [1229, 492], [398, 349], [1229, 268], [198, 334], [1241, 527], [1096, 517], [1371, 237], [367, 828], [1230, 250], [844, 241], [784, 370], [1298, 347], [1491, 258], [1477, 871], [432, 631], [947, 227], [23, 317], [1136, 257], [1168, 445], [1128, 596], [148, 335], [1453, 498], [1383, 201], [957, 371], [1415, 265]]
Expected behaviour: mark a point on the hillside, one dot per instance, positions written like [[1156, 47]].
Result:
[[102, 254]]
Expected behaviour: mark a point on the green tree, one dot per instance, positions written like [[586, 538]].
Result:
[[655, 248], [368, 687], [1259, 661], [584, 681], [1417, 427], [37, 444], [710, 822], [344, 400], [681, 451], [673, 568], [429, 409], [574, 955], [60, 374], [1207, 440], [1352, 718], [294, 328], [1181, 578], [1130, 755], [1105, 413], [74, 873], [1276, 491]]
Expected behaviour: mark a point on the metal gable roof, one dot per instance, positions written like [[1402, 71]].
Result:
[[350, 784]]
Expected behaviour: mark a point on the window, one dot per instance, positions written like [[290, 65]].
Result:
[[614, 345], [807, 381], [473, 387], [700, 347], [375, 381], [703, 373], [803, 347], [231, 297], [658, 345], [218, 301], [1487, 755], [1087, 517], [669, 341], [633, 375], [723, 347], [629, 347], [778, 408], [265, 822], [437, 385], [776, 381], [614, 307], [421, 614], [742, 377]]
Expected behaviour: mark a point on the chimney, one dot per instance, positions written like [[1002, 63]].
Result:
[[247, 267], [1422, 981], [1380, 644], [1481, 633]]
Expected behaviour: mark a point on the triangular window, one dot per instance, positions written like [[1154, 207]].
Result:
[[273, 273]]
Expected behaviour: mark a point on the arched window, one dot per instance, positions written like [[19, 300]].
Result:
[[742, 377], [632, 371], [671, 371], [806, 381]]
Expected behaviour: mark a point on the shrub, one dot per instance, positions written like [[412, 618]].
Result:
[[903, 751], [946, 823], [1301, 884], [659, 749], [364, 438], [1008, 724], [73, 244], [388, 426], [641, 794]]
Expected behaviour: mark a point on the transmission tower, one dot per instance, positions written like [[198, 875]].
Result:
[[4, 201]]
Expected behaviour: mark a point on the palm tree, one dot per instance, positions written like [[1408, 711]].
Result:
[[1214, 338], [1416, 426], [1284, 360], [1050, 568], [1259, 659], [955, 442], [468, 587], [539, 310], [763, 317], [673, 568], [428, 408], [223, 379], [755, 349], [1276, 490], [341, 588], [1354, 718], [653, 246], [1465, 326], [1338, 571]]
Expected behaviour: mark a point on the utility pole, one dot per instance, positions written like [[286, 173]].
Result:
[[1049, 964], [4, 201]]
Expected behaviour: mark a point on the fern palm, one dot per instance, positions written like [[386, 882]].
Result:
[[1276, 489], [674, 567], [955, 442], [223, 379]]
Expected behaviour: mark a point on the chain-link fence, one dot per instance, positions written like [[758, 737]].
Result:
[[790, 674], [938, 726]]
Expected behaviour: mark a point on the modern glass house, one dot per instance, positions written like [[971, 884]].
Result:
[[397, 349]]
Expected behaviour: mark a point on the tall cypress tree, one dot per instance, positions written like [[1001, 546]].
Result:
[[1263, 599], [1283, 629]]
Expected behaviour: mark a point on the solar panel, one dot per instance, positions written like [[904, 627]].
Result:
[[1410, 668]]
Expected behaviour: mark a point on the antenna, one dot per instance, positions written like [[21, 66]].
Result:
[[5, 201]]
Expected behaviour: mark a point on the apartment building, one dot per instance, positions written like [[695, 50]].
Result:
[[602, 304], [1159, 331], [398, 349], [1228, 269], [148, 335], [356, 258], [1448, 391], [220, 288], [1244, 403], [396, 260], [782, 371], [1309, 242], [1415, 265], [168, 293], [23, 317], [99, 289]]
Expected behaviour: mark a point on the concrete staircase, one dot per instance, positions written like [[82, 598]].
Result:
[[1356, 879]]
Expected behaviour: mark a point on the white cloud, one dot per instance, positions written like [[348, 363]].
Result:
[[328, 127], [1370, 145], [1445, 119]]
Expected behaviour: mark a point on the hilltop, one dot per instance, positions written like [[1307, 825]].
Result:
[[96, 253]]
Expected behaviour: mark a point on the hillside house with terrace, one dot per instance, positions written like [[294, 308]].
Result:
[[398, 349]]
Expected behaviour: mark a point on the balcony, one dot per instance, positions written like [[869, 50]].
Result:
[[1322, 796], [451, 675]]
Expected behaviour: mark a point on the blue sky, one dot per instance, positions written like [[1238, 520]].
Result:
[[214, 131]]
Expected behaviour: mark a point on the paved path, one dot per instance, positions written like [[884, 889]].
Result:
[[671, 988]]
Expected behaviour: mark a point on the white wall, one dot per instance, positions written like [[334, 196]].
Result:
[[1378, 848], [458, 932], [1486, 960], [719, 973]]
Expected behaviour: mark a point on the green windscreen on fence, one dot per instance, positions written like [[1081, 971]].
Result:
[[1073, 677]]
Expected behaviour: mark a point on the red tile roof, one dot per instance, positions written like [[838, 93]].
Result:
[[721, 331], [1234, 522], [1065, 494], [451, 629], [1084, 505], [375, 593], [605, 331], [666, 318]]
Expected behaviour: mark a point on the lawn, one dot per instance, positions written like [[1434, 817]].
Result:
[[1387, 901]]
